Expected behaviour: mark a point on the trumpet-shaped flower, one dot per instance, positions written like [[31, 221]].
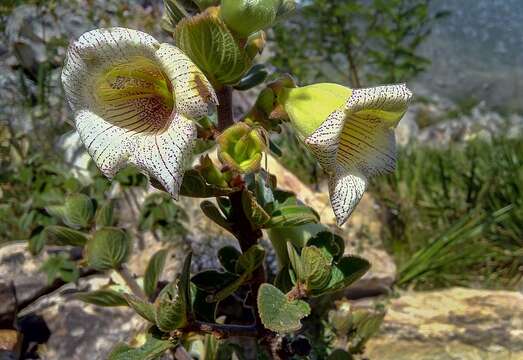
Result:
[[350, 132], [133, 100]]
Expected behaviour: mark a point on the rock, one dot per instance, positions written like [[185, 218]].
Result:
[[407, 129], [10, 344], [480, 123], [80, 331], [20, 268], [7, 305], [450, 324]]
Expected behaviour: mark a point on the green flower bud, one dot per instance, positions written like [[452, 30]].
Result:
[[245, 17], [241, 147], [309, 106]]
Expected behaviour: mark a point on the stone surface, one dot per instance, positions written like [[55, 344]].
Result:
[[79, 331], [7, 305], [19, 268], [451, 324], [10, 344]]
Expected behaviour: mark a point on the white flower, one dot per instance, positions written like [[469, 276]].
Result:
[[350, 132], [133, 100]]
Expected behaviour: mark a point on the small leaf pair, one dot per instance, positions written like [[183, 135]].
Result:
[[321, 268], [239, 268]]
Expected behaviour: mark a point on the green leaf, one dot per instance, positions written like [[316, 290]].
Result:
[[185, 283], [56, 211], [316, 268], [250, 260], [212, 281], [229, 289], [292, 215], [295, 260], [246, 264], [79, 210], [203, 309], [153, 272], [36, 243], [332, 245], [151, 350], [175, 302], [171, 310], [60, 267], [277, 312], [108, 249], [339, 354], [208, 42], [103, 298], [255, 76], [213, 213], [61, 235], [105, 215], [345, 272], [283, 279], [142, 307], [194, 185], [228, 257], [254, 211], [173, 12]]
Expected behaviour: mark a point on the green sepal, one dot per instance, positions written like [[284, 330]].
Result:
[[211, 46]]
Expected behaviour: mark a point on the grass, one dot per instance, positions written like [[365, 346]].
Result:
[[455, 216]]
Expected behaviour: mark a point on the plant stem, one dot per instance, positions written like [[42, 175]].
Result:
[[180, 353], [129, 279], [221, 331], [225, 118]]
